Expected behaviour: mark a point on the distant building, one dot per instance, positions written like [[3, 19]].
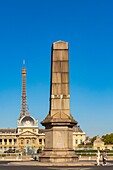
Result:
[[98, 144], [78, 136], [28, 137], [87, 141]]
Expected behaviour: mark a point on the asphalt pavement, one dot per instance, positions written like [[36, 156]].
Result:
[[35, 165], [7, 167]]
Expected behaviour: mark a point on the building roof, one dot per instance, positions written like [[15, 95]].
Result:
[[41, 131], [77, 129], [98, 140], [14, 130], [8, 130]]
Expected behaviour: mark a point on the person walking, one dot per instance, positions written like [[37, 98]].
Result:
[[98, 158], [104, 156]]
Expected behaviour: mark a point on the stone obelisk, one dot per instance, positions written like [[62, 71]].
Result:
[[59, 122]]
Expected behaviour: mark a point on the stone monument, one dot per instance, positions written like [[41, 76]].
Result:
[[59, 122]]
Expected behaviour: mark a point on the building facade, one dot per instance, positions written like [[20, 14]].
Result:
[[78, 136], [98, 144]]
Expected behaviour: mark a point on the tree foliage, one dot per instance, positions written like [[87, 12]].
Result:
[[108, 139]]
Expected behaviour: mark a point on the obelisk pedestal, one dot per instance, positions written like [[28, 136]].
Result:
[[59, 122]]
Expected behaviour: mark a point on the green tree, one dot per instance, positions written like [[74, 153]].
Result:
[[108, 139]]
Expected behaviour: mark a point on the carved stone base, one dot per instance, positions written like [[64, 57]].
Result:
[[55, 156]]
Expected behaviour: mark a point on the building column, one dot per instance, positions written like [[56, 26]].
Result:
[[13, 143], [3, 142], [7, 141]]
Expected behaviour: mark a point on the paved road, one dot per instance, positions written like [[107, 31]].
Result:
[[53, 168], [7, 166]]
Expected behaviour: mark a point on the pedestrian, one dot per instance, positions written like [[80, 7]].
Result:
[[104, 156], [98, 158]]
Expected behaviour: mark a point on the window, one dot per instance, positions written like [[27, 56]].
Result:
[[22, 142], [10, 141], [14, 141], [28, 142], [81, 141], [33, 141], [98, 148], [0, 141], [40, 141], [5, 141], [76, 141]]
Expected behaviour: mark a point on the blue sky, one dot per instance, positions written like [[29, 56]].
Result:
[[27, 30]]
